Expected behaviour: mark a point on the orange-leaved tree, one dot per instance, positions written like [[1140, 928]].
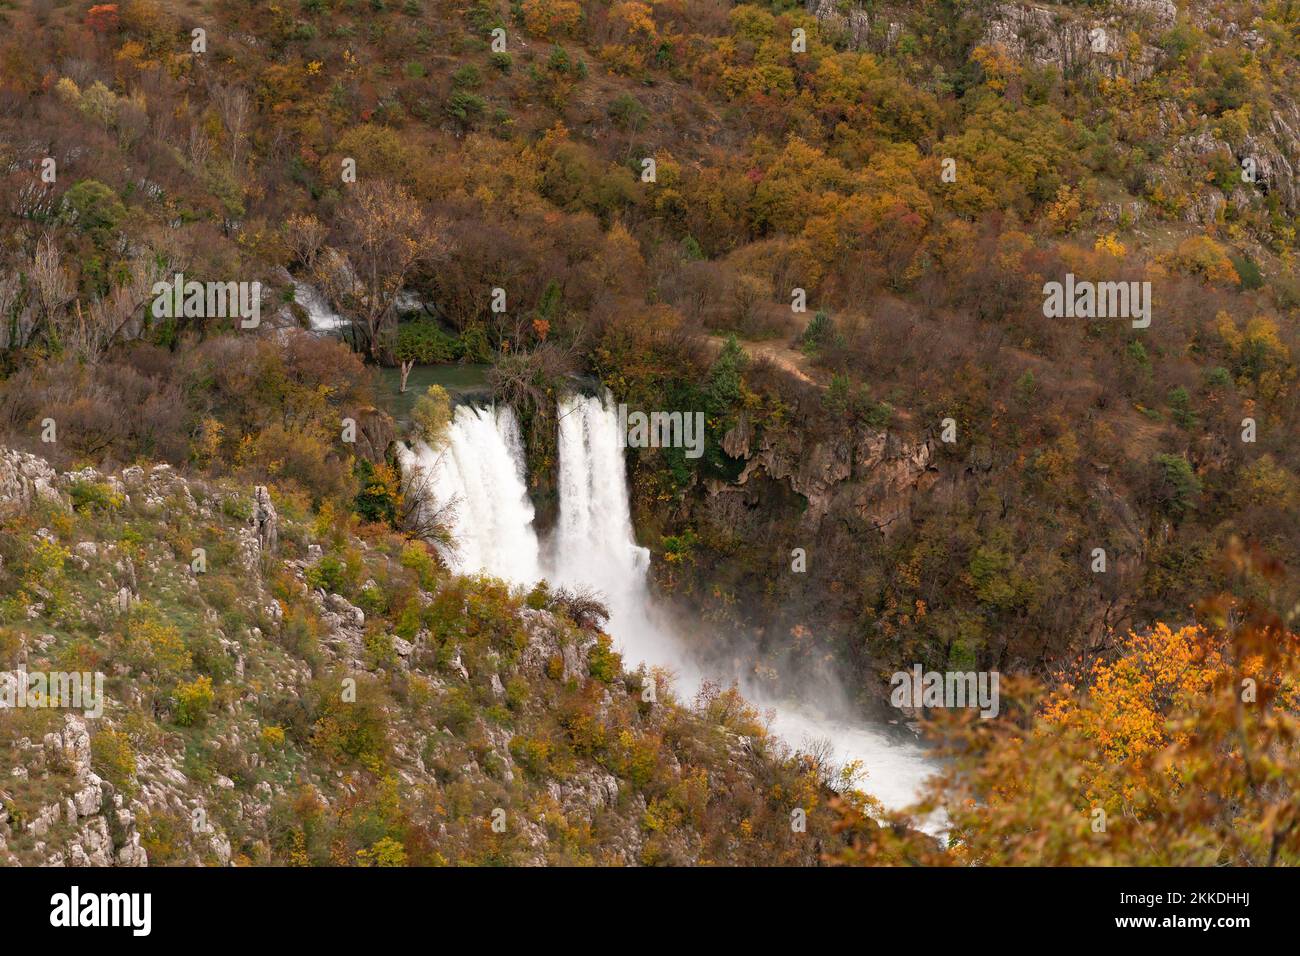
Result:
[[1179, 747]]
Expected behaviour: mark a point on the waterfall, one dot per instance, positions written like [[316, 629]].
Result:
[[479, 472], [320, 316], [593, 546]]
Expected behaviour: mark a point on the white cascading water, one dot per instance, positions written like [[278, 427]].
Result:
[[320, 316], [593, 546], [480, 474]]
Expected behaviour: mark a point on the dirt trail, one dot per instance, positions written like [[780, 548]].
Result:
[[789, 360]]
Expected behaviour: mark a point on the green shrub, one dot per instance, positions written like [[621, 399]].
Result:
[[539, 597], [467, 77], [604, 663], [238, 507], [94, 209], [1180, 403], [385, 852], [352, 730], [156, 647], [416, 557], [456, 712], [380, 651], [1218, 377], [820, 334], [465, 107], [1247, 270], [531, 753], [328, 573], [93, 496], [112, 758], [1177, 486], [373, 600]]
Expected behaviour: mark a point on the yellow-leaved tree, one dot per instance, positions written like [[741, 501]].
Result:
[[1178, 747]]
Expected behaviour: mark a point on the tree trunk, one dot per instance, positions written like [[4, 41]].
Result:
[[406, 370]]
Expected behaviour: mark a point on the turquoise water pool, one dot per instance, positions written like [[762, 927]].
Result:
[[454, 378]]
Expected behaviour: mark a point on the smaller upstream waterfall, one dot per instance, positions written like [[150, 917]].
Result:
[[320, 316]]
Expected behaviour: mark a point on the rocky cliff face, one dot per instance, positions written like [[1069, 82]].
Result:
[[1119, 39], [811, 561], [25, 480], [1076, 40], [88, 823], [1070, 38], [871, 474], [780, 546]]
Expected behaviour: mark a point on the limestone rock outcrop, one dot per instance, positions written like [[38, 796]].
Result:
[[25, 480]]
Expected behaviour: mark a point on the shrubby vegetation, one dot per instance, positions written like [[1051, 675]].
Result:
[[237, 673]]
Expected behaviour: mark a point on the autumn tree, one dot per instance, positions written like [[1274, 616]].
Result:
[[551, 19], [384, 235], [1176, 748], [420, 513], [305, 236], [103, 18]]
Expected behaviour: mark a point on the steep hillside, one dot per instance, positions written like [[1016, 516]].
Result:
[[280, 690]]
